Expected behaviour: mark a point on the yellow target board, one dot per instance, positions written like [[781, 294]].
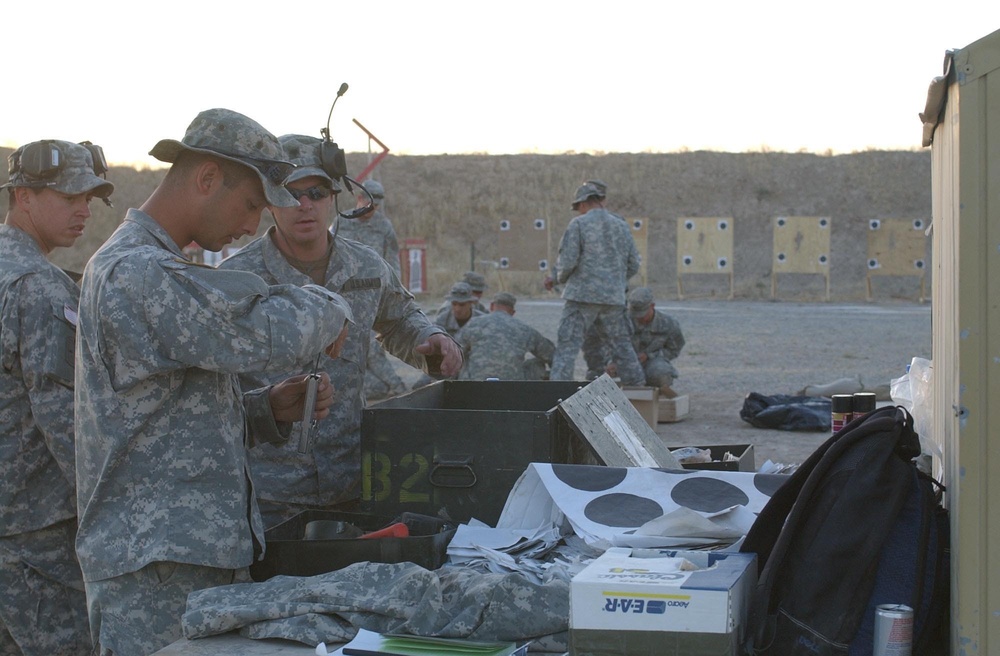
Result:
[[522, 245], [704, 245], [801, 245], [897, 247]]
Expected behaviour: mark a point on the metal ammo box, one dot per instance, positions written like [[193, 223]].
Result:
[[454, 449]]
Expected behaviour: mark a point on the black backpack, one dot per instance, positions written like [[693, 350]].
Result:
[[855, 526]]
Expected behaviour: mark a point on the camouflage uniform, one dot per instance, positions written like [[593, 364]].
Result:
[[661, 340], [446, 319], [376, 232], [43, 609], [162, 427], [597, 256], [331, 472], [495, 345]]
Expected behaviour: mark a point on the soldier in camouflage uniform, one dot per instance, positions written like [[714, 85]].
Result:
[[374, 229], [597, 256], [300, 248], [166, 503], [461, 306], [477, 282], [495, 345], [44, 609], [657, 340]]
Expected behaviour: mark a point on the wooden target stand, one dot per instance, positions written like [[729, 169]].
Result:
[[897, 247], [801, 245], [533, 244], [704, 245]]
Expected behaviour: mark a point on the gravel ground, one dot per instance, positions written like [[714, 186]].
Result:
[[737, 347]]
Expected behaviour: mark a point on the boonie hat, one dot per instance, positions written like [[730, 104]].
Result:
[[475, 280], [460, 293], [238, 138], [599, 185], [64, 166], [505, 298], [585, 191], [304, 152], [375, 188], [639, 300]]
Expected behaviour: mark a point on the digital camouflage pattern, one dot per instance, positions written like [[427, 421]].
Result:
[[140, 612], [161, 429], [387, 598], [377, 233], [495, 344], [381, 379], [331, 472], [446, 319], [661, 340], [75, 177], [301, 150], [224, 133], [597, 256], [43, 608]]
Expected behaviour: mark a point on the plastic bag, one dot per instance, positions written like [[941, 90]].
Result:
[[913, 391]]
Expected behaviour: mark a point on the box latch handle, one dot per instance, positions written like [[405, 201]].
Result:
[[453, 471]]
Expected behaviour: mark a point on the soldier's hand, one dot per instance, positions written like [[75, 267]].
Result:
[[549, 283], [642, 357], [449, 350], [334, 349], [611, 369], [288, 397]]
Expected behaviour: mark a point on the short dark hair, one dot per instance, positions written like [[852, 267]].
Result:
[[233, 173]]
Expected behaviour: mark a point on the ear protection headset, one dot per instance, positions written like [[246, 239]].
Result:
[[43, 160], [334, 162]]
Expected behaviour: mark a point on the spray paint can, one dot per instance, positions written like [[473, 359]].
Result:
[[863, 403], [893, 630], [841, 411]]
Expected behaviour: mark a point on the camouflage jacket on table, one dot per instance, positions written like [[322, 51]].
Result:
[[597, 256], [495, 345], [660, 338], [331, 472], [446, 319], [376, 233], [450, 602], [37, 332], [161, 427]]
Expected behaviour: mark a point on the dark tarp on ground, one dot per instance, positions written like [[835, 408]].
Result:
[[784, 412]]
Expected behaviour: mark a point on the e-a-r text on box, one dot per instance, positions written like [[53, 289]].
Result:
[[636, 602]]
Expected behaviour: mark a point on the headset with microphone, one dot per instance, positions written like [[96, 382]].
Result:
[[334, 163]]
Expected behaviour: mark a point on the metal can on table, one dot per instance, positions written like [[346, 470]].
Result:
[[893, 630]]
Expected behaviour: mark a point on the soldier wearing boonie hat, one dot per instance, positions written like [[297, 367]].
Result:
[[297, 249], [372, 228], [657, 340], [159, 410], [50, 186]]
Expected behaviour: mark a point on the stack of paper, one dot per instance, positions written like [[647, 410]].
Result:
[[369, 643], [500, 551]]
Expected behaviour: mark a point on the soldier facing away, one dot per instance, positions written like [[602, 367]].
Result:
[[496, 344]]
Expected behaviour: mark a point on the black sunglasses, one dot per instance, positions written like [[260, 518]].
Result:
[[318, 192]]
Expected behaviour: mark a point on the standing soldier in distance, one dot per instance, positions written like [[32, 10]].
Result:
[[597, 256], [300, 248], [44, 608]]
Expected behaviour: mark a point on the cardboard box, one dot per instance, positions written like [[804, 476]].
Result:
[[746, 460], [646, 401], [671, 410], [635, 601]]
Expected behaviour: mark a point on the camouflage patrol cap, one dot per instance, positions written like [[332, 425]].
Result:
[[475, 280], [505, 298], [639, 301], [375, 188], [585, 191], [460, 293], [238, 138], [600, 185], [60, 165], [304, 152]]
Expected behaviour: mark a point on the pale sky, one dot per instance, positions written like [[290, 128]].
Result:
[[430, 77]]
